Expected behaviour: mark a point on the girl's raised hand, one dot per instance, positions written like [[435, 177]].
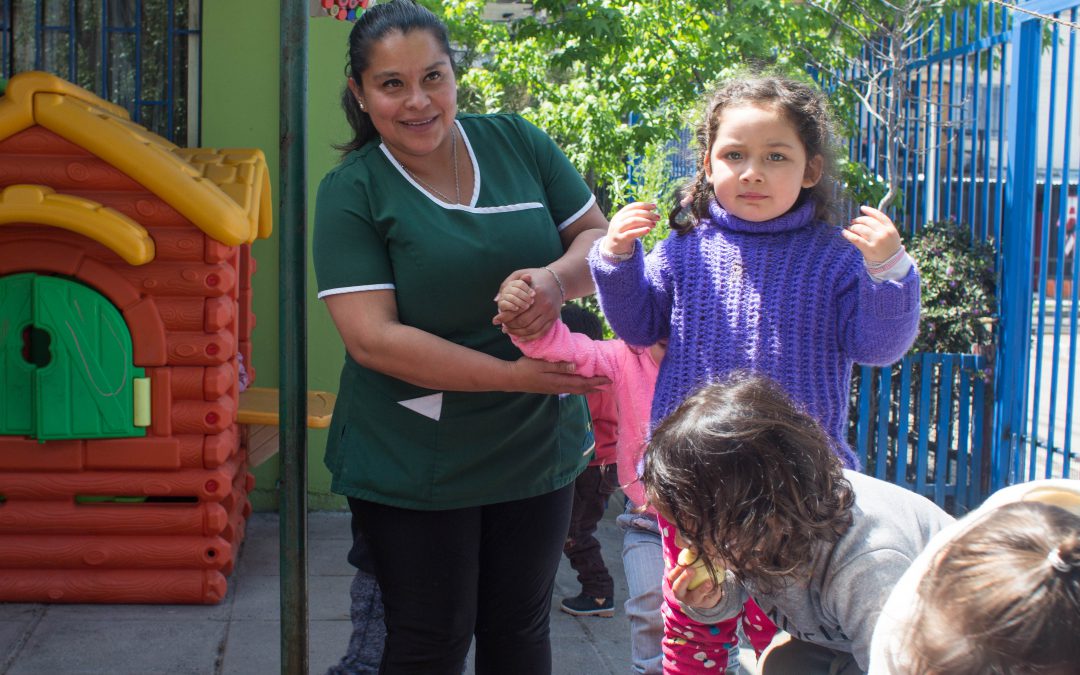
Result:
[[874, 234], [632, 221]]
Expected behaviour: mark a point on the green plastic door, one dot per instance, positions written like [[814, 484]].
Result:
[[16, 369], [66, 367], [86, 389]]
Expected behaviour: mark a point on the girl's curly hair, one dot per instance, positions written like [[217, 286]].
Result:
[[801, 104], [750, 478], [1003, 597]]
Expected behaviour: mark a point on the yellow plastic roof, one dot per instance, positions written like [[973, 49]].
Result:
[[225, 193], [41, 204]]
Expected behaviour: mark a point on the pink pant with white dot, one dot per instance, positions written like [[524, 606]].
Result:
[[691, 647]]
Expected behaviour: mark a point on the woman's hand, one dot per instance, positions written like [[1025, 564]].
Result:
[[547, 299], [546, 377], [705, 596], [632, 221], [874, 234]]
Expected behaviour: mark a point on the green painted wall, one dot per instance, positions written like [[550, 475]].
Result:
[[240, 89]]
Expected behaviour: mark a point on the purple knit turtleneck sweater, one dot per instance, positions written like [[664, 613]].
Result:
[[788, 298]]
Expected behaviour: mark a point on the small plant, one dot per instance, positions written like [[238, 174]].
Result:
[[648, 179], [959, 289]]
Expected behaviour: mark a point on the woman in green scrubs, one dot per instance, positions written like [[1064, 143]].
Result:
[[451, 447]]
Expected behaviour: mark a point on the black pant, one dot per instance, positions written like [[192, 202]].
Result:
[[446, 576], [591, 491]]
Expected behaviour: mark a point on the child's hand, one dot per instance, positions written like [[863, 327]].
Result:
[[874, 234], [515, 297], [705, 594], [633, 221]]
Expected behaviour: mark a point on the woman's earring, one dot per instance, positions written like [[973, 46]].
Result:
[[360, 103]]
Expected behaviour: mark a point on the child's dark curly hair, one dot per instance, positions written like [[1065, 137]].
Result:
[[750, 478], [802, 104]]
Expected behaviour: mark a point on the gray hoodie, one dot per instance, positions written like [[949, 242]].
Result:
[[839, 604]]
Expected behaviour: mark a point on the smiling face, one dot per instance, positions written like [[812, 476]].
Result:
[[757, 164], [410, 93]]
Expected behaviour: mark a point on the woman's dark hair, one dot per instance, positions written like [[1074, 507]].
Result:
[[1003, 597], [801, 104], [747, 475], [373, 25]]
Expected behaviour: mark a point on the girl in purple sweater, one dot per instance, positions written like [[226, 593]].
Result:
[[754, 278]]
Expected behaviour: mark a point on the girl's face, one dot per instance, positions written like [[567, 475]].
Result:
[[410, 93], [757, 164]]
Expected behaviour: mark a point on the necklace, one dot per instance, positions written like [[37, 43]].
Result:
[[457, 182]]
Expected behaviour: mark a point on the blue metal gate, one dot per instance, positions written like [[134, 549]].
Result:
[[988, 142], [1036, 380]]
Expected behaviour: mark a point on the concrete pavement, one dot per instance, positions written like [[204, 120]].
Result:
[[241, 635]]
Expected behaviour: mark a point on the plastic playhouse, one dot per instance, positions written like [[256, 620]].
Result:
[[125, 333]]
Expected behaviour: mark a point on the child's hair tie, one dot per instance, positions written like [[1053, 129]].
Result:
[[1056, 561]]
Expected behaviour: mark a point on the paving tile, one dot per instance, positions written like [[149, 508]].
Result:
[[261, 556], [582, 655], [254, 647], [121, 647], [330, 525], [91, 612], [18, 611], [259, 598], [11, 634]]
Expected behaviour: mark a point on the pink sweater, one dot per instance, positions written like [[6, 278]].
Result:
[[633, 378]]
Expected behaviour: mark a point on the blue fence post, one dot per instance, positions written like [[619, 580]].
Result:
[[1014, 339]]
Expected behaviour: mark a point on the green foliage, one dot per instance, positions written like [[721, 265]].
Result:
[[859, 184], [959, 289], [579, 70], [649, 180]]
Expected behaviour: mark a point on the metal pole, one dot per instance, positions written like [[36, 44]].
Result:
[[292, 229], [1017, 241]]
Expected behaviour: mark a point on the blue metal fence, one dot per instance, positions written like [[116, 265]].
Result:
[[920, 425], [988, 142], [140, 54], [1036, 404]]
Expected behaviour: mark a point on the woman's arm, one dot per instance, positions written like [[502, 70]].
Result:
[[563, 279], [375, 338]]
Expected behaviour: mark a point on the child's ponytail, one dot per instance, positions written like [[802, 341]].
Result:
[[1064, 559], [1003, 596], [691, 203]]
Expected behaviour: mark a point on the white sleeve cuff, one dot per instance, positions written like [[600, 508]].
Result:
[[896, 271]]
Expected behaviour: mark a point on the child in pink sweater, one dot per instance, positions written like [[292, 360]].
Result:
[[633, 372], [592, 491]]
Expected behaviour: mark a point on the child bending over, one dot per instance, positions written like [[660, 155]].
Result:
[[754, 487], [998, 592]]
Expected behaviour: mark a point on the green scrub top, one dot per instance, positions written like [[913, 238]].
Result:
[[376, 228]]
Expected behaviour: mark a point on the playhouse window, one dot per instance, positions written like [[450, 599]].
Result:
[[141, 54]]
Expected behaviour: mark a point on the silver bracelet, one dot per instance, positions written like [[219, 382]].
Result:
[[558, 282]]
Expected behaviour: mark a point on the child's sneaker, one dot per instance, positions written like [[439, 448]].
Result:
[[584, 605]]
